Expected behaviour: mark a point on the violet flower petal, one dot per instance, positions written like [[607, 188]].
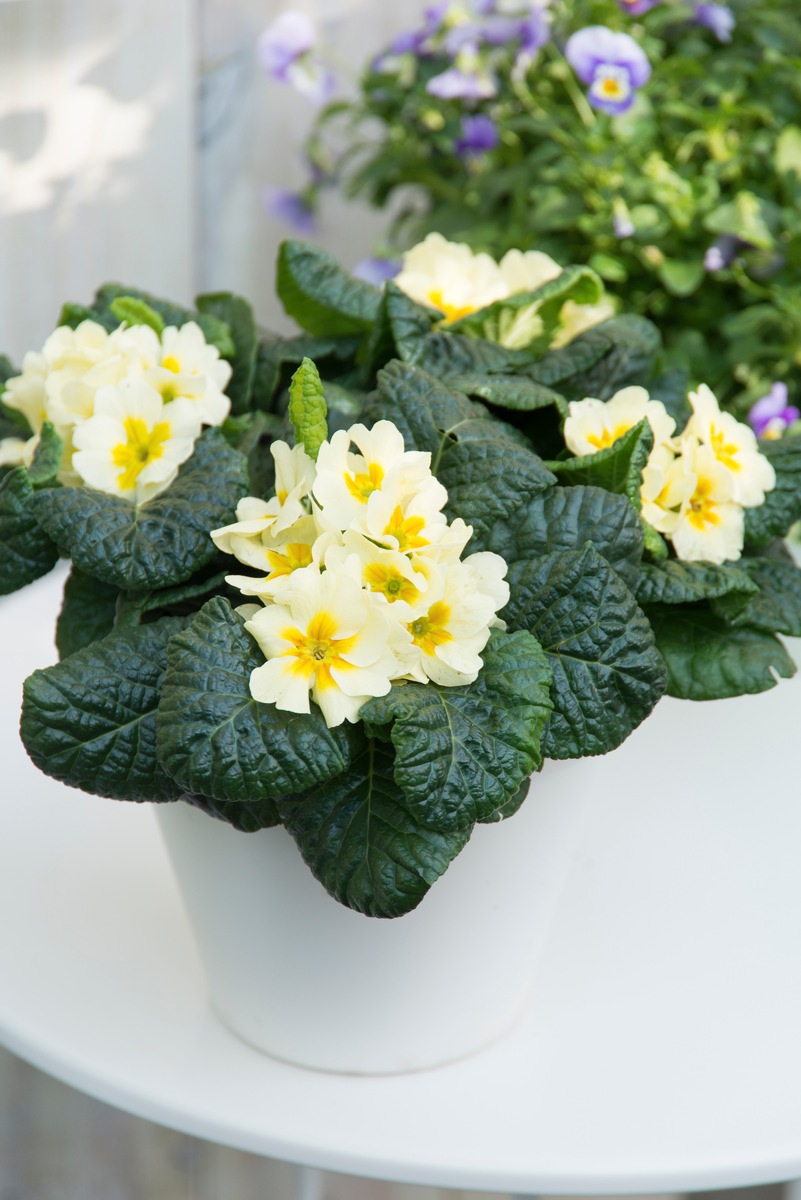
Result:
[[716, 17]]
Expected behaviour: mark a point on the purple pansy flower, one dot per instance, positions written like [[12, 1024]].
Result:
[[723, 252], [376, 270], [636, 8], [467, 79], [479, 134], [716, 17], [284, 52], [290, 207], [612, 64], [414, 41], [772, 415], [494, 31]]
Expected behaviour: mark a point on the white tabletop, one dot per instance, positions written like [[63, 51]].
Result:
[[662, 1051]]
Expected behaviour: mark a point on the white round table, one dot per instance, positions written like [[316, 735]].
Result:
[[661, 1053]]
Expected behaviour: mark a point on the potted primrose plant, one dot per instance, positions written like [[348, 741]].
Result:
[[335, 598]]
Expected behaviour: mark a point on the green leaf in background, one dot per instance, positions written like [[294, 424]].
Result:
[[571, 360], [681, 277], [788, 151], [215, 331], [617, 469], [776, 605], [514, 392], [462, 753], [46, 460], [674, 582], [565, 519], [158, 543], [307, 408], [87, 612], [90, 720], [136, 312], [274, 353], [708, 659], [782, 506], [217, 741], [362, 841], [607, 672], [448, 354], [26, 552], [317, 293], [745, 217], [237, 315]]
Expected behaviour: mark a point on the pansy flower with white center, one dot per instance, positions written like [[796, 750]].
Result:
[[772, 415], [613, 66], [326, 640], [711, 525], [594, 425], [133, 445], [449, 635], [346, 483], [734, 446]]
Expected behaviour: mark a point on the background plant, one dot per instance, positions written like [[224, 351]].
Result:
[[687, 204]]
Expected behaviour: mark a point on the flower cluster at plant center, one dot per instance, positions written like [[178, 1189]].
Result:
[[361, 579], [127, 404], [695, 486]]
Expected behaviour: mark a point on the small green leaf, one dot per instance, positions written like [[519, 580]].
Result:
[[362, 841], [565, 519], [87, 612], [155, 544], [26, 552], [236, 315], [782, 505], [217, 741], [307, 408], [46, 461], [515, 392], [674, 582], [607, 673], [618, 468], [788, 151], [462, 753], [90, 721], [654, 545], [776, 605], [215, 331], [134, 311], [707, 659], [681, 277], [317, 293]]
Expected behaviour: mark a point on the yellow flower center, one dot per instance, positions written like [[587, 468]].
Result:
[[406, 530], [611, 88], [318, 649], [170, 363], [290, 558], [602, 441], [702, 509], [388, 580], [362, 486], [725, 452], [430, 631], [143, 446], [451, 312]]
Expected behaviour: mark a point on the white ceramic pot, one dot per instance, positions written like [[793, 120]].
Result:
[[299, 976]]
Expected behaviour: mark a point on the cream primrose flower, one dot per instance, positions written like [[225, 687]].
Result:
[[666, 486], [277, 557], [594, 425], [576, 318], [13, 450], [349, 486], [133, 445], [448, 276], [256, 519], [735, 447], [325, 638], [396, 580], [711, 525], [182, 364]]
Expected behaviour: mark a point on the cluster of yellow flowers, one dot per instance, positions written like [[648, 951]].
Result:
[[361, 580], [695, 487], [128, 404]]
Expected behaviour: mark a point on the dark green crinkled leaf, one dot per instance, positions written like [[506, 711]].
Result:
[[363, 843], [237, 314], [571, 360], [247, 816], [707, 659], [26, 552], [776, 606], [567, 518], [462, 753], [578, 283], [87, 612], [515, 392], [616, 469], [673, 582], [633, 346], [425, 410], [274, 353], [214, 330], [447, 354], [317, 293], [90, 721], [782, 506], [159, 543], [488, 480], [409, 322], [607, 673], [217, 741], [46, 460]]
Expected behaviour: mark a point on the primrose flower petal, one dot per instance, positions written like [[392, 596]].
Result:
[[734, 447], [450, 277], [594, 425], [711, 526]]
